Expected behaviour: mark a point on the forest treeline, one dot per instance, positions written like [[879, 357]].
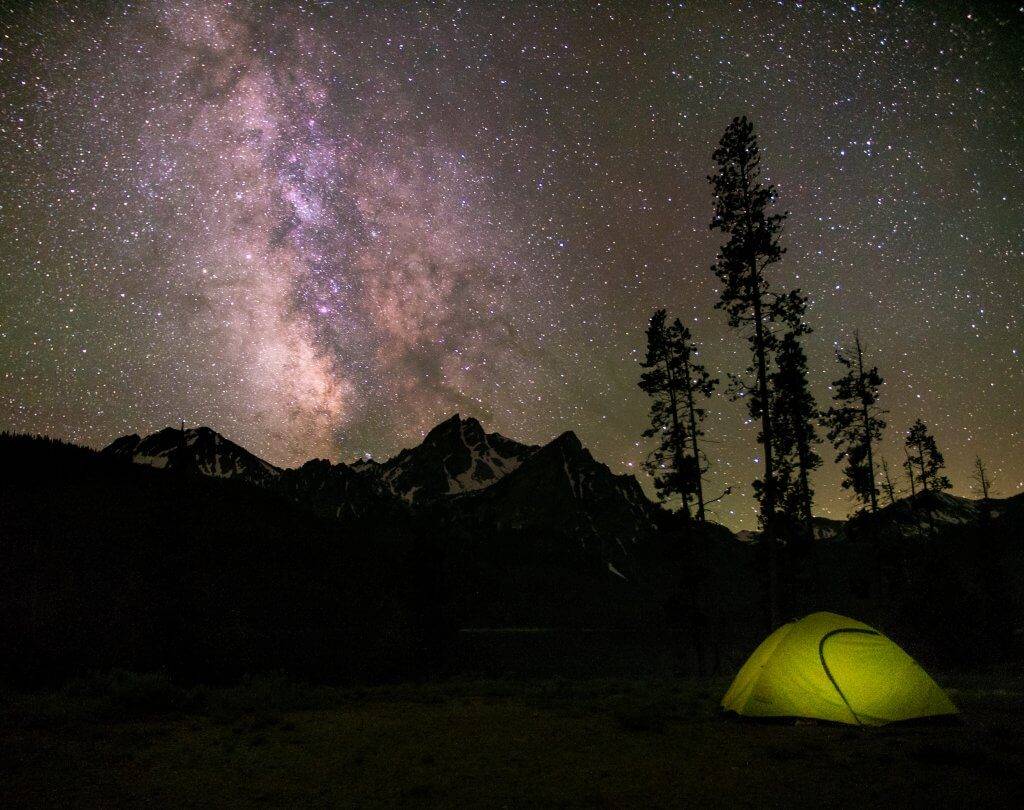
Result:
[[774, 386]]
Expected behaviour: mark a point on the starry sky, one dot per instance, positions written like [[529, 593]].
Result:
[[322, 227]]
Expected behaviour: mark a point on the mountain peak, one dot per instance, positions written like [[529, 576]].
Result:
[[569, 442], [200, 448], [456, 456], [453, 422], [469, 430], [124, 446], [560, 489]]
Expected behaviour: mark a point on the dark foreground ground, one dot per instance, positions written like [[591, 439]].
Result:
[[129, 739]]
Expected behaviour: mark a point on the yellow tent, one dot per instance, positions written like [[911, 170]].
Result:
[[833, 668]]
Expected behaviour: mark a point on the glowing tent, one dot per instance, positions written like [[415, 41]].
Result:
[[833, 668]]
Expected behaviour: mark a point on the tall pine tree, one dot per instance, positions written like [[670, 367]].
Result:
[[742, 214], [855, 424], [696, 383], [925, 459], [795, 413], [674, 380]]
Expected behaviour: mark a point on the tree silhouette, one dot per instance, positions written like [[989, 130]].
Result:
[[742, 203], [926, 458], [795, 413], [983, 483], [981, 478], [887, 484], [674, 379], [908, 465], [696, 381], [854, 424]]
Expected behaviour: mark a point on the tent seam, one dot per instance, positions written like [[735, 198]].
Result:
[[828, 672]]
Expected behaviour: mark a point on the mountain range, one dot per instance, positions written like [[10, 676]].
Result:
[[467, 474], [459, 476], [183, 550]]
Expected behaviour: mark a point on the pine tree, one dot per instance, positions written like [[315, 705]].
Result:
[[674, 379], [926, 458], [983, 483], [742, 203], [666, 463], [854, 424], [981, 478], [696, 382], [795, 413], [887, 484], [908, 465]]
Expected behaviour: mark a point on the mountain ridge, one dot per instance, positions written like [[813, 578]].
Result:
[[471, 481], [200, 448], [457, 459]]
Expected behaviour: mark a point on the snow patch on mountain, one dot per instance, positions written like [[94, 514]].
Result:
[[455, 458], [198, 449]]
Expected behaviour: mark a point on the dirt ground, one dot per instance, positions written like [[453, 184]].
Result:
[[133, 741]]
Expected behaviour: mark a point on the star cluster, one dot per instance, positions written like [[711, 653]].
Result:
[[321, 227]]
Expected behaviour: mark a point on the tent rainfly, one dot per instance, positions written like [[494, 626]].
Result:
[[829, 667]]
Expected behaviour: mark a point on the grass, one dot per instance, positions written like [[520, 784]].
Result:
[[129, 739]]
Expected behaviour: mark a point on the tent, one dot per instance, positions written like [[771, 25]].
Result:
[[833, 668]]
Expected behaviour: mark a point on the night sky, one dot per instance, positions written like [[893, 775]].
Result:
[[323, 227]]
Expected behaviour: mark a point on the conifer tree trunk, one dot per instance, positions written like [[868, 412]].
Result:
[[910, 474], [677, 450], [805, 492], [981, 477], [889, 488], [693, 440], [768, 505], [867, 427], [920, 463]]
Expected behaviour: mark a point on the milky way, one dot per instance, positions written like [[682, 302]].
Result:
[[323, 227]]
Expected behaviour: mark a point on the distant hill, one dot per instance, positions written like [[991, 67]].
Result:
[[922, 515]]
